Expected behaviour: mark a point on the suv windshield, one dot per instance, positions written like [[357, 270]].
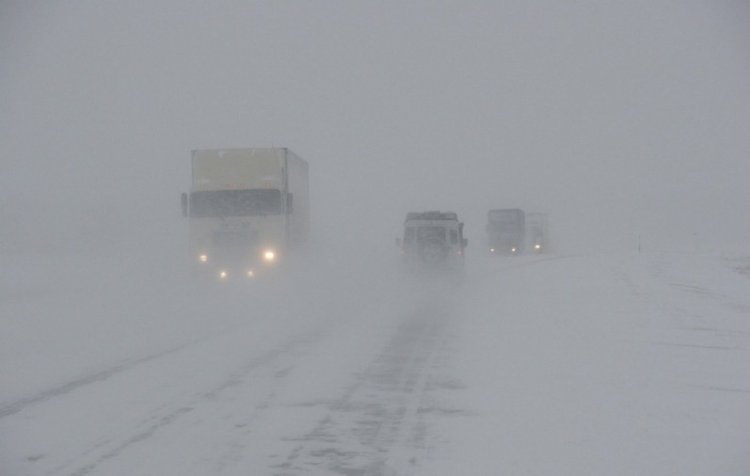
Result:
[[430, 233]]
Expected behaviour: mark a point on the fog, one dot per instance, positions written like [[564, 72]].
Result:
[[625, 122], [618, 120]]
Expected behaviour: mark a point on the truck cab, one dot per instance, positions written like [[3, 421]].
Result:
[[246, 209], [433, 241]]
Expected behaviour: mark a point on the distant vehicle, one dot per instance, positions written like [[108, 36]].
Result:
[[537, 232], [433, 241], [247, 208], [506, 230]]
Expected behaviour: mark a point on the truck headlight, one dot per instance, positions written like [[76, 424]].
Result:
[[269, 256]]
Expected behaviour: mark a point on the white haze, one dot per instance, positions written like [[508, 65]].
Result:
[[626, 122], [618, 120]]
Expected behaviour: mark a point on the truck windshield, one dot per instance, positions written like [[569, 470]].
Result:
[[235, 203], [500, 224]]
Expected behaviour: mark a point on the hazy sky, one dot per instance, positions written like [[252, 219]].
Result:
[[618, 118]]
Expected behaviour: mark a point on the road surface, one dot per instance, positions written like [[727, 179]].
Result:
[[623, 364]]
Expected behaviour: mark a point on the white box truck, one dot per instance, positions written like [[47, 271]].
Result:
[[247, 209], [506, 231]]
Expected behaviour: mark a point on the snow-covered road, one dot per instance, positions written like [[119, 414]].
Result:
[[622, 364]]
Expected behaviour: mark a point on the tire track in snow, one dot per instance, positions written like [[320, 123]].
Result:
[[175, 411], [369, 428], [96, 377]]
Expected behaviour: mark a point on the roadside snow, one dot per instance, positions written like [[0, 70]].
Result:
[[600, 365]]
